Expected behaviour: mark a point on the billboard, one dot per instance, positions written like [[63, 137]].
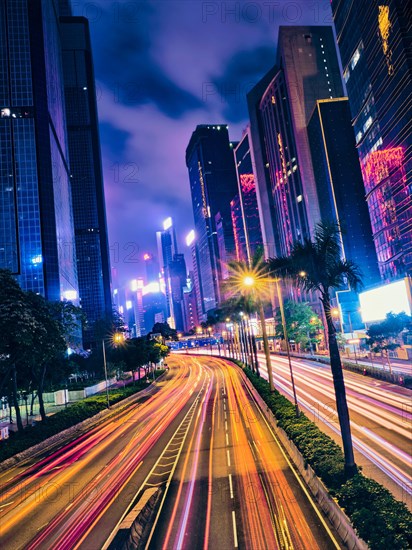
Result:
[[394, 297]]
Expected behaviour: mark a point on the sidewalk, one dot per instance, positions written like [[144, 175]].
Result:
[[50, 408]]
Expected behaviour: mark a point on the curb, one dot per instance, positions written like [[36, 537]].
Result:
[[68, 432]]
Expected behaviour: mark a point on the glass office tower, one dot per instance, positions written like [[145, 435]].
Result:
[[247, 197], [210, 161], [89, 212], [36, 229], [374, 39]]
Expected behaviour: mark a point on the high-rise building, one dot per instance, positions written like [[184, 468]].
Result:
[[374, 39], [339, 183], [89, 213], [167, 247], [178, 275], [341, 196], [190, 317], [247, 196], [152, 268], [238, 229], [209, 158], [260, 166], [308, 70], [196, 278], [36, 231]]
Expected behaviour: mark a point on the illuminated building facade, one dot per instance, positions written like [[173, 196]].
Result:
[[212, 175], [307, 70], [238, 229], [89, 211], [178, 276], [252, 232], [375, 46], [190, 317], [339, 183], [167, 247], [36, 231], [196, 276], [152, 268]]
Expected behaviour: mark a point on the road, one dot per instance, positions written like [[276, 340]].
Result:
[[381, 417], [197, 438]]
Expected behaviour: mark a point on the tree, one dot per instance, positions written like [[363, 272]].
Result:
[[302, 323], [18, 330], [59, 322], [135, 353], [382, 336], [166, 331], [316, 265]]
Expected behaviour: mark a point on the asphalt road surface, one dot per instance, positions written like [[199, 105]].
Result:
[[198, 438]]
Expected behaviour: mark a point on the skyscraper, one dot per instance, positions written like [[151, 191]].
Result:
[[260, 166], [89, 213], [374, 39], [196, 278], [152, 268], [339, 183], [178, 276], [36, 233], [308, 70], [167, 247], [209, 158], [238, 229], [247, 196]]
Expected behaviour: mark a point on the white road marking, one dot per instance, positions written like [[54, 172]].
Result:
[[227, 440], [226, 425], [230, 486], [234, 529], [228, 457]]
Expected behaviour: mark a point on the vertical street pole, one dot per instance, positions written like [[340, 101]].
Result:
[[285, 334], [105, 374]]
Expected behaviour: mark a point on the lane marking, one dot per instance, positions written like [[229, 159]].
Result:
[[228, 457], [225, 415], [234, 529], [293, 469], [230, 486], [227, 440], [226, 425]]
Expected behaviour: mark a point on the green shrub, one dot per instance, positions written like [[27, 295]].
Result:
[[379, 519], [72, 415]]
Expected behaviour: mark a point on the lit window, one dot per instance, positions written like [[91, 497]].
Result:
[[358, 137], [355, 58], [299, 198], [367, 124]]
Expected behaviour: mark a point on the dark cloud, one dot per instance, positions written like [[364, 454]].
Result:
[[240, 75], [126, 65], [113, 139]]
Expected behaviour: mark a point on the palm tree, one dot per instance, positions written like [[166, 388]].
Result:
[[316, 265]]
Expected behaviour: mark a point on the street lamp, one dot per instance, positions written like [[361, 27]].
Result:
[[249, 282], [285, 335], [105, 374]]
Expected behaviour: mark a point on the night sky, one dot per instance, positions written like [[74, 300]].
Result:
[[161, 69]]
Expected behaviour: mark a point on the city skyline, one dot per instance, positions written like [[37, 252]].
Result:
[[143, 134]]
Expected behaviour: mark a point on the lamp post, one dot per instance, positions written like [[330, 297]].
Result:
[[250, 282], [209, 329], [285, 335], [105, 373]]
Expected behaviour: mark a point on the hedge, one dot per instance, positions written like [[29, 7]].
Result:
[[379, 519], [72, 415]]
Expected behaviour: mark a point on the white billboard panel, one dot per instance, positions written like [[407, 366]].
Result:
[[376, 303]]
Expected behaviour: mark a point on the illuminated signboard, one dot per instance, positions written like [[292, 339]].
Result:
[[376, 303], [190, 237]]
